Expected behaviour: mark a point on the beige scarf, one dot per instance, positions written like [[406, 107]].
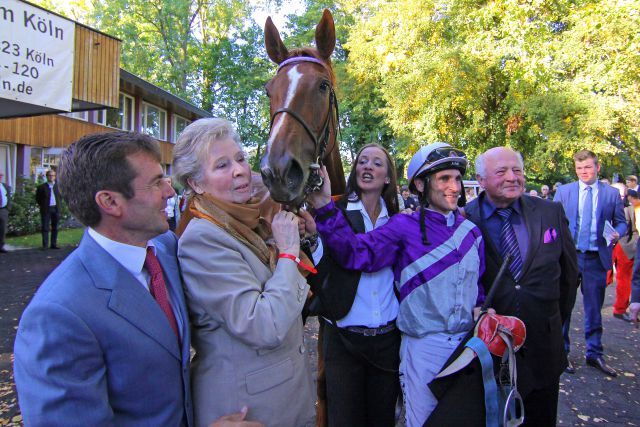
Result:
[[245, 222]]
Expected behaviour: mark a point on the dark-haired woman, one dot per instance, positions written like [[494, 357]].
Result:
[[361, 343], [437, 258]]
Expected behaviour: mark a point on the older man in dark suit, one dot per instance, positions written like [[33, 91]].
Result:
[[48, 199], [540, 287]]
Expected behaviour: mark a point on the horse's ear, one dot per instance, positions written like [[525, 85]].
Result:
[[326, 35], [276, 50]]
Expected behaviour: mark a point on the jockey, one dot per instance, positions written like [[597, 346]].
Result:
[[437, 258]]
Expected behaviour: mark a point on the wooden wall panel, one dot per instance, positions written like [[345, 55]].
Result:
[[47, 131], [96, 68], [59, 132]]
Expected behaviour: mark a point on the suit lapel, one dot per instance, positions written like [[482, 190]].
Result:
[[128, 299], [168, 261], [491, 251], [533, 222], [600, 206]]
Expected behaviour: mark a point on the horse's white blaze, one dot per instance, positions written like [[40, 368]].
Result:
[[294, 78]]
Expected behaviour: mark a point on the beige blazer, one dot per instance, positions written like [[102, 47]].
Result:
[[246, 330]]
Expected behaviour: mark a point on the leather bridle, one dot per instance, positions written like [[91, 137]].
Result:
[[320, 140]]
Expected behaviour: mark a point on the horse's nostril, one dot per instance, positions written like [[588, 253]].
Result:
[[294, 176], [267, 175]]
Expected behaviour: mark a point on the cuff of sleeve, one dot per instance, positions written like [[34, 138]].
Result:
[[317, 254], [326, 212]]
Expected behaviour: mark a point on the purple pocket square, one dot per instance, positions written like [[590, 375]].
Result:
[[551, 235]]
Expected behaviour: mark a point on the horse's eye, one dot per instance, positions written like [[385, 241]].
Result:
[[324, 86], [267, 93]]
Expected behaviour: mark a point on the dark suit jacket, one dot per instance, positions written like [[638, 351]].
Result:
[[43, 195], [335, 287], [94, 349], [547, 288], [609, 208]]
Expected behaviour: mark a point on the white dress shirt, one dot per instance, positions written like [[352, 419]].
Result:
[[583, 195], [375, 303], [52, 197], [5, 195]]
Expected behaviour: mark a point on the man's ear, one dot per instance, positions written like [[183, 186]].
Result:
[[109, 202]]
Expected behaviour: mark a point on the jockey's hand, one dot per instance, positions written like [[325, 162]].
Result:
[[236, 420], [476, 312], [321, 197]]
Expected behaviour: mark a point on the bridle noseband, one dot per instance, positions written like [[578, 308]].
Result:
[[320, 140]]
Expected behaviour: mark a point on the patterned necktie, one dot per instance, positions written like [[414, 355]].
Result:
[[584, 235], [159, 289], [509, 243]]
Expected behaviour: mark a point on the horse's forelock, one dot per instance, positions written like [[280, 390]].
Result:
[[313, 53]]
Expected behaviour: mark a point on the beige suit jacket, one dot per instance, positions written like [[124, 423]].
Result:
[[246, 330]]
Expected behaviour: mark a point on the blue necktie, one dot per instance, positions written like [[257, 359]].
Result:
[[509, 243], [584, 235]]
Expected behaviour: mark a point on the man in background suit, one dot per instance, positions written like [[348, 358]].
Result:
[[540, 286], [588, 205], [48, 199], [5, 192], [105, 340]]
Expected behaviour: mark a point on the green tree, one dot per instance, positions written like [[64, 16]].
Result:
[[529, 75]]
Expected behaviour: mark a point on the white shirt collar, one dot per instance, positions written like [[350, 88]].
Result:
[[584, 186], [359, 206], [129, 256]]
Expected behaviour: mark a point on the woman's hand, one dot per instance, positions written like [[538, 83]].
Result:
[[307, 222], [321, 197], [285, 232]]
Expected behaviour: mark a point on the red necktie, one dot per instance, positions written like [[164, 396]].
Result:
[[159, 289]]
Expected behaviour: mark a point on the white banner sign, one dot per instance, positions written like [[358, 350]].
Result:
[[36, 56]]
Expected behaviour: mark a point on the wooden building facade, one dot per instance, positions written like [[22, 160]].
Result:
[[34, 144]]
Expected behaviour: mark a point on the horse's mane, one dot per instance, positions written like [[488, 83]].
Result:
[[313, 53]]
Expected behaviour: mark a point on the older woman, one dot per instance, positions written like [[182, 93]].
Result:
[[243, 286]]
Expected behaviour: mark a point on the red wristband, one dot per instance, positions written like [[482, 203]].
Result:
[[302, 265]]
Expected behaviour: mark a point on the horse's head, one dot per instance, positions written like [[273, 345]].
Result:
[[303, 117]]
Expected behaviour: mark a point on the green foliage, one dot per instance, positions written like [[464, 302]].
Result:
[[24, 215], [547, 78]]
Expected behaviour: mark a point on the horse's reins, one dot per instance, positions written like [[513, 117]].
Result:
[[320, 140]]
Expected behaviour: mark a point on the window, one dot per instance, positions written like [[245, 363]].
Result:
[[101, 117], [154, 121], [80, 115], [122, 118], [179, 123]]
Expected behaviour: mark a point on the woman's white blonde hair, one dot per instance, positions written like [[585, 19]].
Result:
[[192, 148]]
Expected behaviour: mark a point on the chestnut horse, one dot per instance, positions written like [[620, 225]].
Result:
[[303, 133], [304, 117]]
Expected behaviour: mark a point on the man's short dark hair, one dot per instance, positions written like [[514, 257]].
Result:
[[99, 162], [583, 155]]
